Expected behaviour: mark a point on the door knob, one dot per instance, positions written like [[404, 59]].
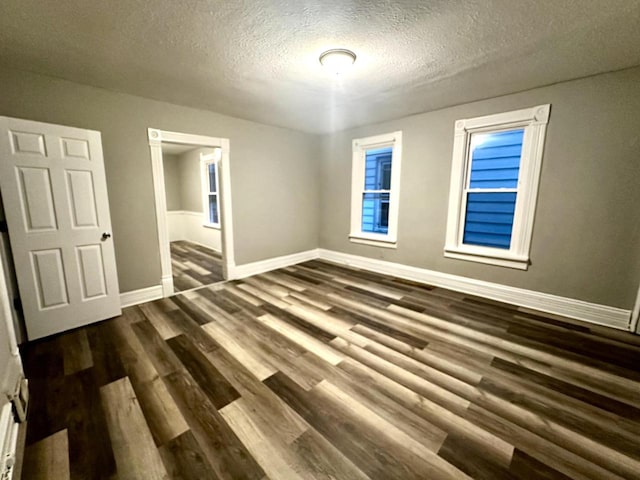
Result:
[[106, 235]]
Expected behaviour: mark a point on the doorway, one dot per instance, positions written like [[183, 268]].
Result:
[[193, 205], [192, 191]]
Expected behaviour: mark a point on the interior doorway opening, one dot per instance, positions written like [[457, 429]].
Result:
[[193, 205], [193, 200]]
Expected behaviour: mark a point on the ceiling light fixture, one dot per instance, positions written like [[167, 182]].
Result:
[[337, 60]]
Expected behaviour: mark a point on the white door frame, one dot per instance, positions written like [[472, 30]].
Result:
[[156, 139], [13, 369], [11, 376], [635, 316]]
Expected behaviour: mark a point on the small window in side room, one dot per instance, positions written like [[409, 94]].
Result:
[[375, 189], [211, 204], [494, 183]]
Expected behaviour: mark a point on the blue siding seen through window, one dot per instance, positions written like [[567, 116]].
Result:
[[375, 212], [212, 177], [495, 159], [495, 164], [489, 219], [213, 209], [377, 169], [377, 184], [212, 171]]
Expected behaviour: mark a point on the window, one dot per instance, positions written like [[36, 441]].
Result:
[[375, 189], [494, 183], [211, 206]]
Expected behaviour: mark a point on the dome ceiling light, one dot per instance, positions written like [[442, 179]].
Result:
[[337, 60]]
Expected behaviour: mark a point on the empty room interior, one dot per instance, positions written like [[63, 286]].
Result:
[[319, 240]]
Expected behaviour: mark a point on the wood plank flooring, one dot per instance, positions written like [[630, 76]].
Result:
[[320, 371], [194, 266]]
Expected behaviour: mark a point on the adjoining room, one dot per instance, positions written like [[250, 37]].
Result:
[[193, 214]]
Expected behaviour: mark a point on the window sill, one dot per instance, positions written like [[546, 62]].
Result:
[[373, 241], [215, 226], [509, 261]]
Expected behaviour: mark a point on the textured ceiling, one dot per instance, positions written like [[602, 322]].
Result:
[[259, 59]]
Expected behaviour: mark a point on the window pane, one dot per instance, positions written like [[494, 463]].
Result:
[[212, 177], [213, 209], [377, 169], [489, 221], [375, 212], [495, 159]]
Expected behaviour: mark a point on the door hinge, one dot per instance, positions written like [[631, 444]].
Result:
[[20, 400]]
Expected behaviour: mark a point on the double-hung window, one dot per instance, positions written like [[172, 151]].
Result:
[[375, 189], [210, 200], [494, 183]]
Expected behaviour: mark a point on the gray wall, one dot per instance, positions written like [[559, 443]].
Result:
[[183, 184], [275, 197], [585, 241], [190, 180], [171, 167]]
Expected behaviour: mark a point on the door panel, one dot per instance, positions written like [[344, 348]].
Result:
[[82, 198], [37, 199], [23, 142], [48, 273], [54, 191], [75, 148], [91, 270]]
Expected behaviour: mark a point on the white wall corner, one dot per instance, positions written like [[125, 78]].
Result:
[[254, 268], [229, 271], [143, 295], [589, 312]]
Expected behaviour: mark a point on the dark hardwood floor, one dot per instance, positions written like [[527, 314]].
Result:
[[193, 265], [320, 371]]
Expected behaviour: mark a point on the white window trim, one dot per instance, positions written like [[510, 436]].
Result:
[[534, 121], [360, 146], [205, 161]]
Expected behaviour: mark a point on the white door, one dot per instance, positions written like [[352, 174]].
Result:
[[55, 198]]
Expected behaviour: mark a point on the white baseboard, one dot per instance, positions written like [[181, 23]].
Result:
[[135, 297], [205, 246], [568, 307], [192, 213], [187, 225], [177, 213], [254, 268]]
